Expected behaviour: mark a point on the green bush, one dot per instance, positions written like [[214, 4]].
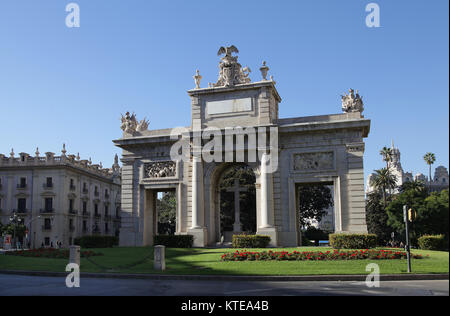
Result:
[[432, 242], [96, 241], [175, 241], [250, 241], [353, 241]]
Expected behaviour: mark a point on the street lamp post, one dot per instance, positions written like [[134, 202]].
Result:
[[14, 219]]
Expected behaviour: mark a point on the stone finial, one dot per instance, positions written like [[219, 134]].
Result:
[[352, 102], [78, 157], [197, 79], [116, 160], [264, 70], [100, 165], [12, 153], [37, 152], [64, 151], [90, 161]]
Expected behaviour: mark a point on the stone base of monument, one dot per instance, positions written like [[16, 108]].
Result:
[[200, 237], [272, 233]]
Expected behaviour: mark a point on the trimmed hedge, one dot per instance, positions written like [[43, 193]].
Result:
[[175, 241], [432, 242], [250, 241], [96, 241], [353, 241]]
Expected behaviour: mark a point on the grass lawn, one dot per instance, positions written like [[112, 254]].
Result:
[[207, 261]]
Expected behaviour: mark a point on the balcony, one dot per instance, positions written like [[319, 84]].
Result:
[[107, 196], [46, 228], [71, 228], [72, 187], [47, 211], [22, 186], [21, 211], [107, 217], [73, 212], [47, 186], [97, 215], [85, 214], [85, 191], [96, 194]]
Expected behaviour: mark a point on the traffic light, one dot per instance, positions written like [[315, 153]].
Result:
[[411, 215]]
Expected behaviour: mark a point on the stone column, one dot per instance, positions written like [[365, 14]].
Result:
[[266, 206], [195, 195], [264, 192], [197, 230]]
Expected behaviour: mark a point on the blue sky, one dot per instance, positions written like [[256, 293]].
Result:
[[61, 85]]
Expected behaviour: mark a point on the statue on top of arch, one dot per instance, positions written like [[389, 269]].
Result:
[[352, 102], [231, 72], [131, 125]]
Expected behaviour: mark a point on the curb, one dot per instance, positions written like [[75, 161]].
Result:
[[283, 278]]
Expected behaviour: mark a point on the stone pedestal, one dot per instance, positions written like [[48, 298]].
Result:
[[159, 263], [272, 233], [200, 236], [74, 254]]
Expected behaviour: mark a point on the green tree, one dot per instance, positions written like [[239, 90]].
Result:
[[9, 230], [413, 185], [383, 181], [377, 218], [167, 213], [314, 200], [431, 213], [430, 159]]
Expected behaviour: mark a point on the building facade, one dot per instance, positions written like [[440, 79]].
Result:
[[59, 198], [439, 181], [290, 152]]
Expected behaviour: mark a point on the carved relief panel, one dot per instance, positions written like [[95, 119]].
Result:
[[305, 162]]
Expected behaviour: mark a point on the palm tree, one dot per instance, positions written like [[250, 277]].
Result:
[[429, 158], [415, 185], [383, 181], [386, 153]]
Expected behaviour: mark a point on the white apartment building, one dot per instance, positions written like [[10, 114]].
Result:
[[59, 197]]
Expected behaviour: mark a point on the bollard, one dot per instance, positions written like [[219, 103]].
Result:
[[74, 255], [160, 258]]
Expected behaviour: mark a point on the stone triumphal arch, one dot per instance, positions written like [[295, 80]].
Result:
[[236, 120]]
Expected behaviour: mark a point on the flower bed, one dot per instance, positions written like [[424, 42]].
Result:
[[50, 253], [372, 254]]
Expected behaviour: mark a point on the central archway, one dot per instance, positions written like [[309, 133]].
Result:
[[227, 181]]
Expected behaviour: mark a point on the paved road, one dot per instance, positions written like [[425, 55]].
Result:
[[32, 285]]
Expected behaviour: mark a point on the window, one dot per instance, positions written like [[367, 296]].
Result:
[[84, 206], [106, 210], [49, 182], [23, 182], [47, 223], [21, 205], [48, 204], [47, 241], [96, 209], [70, 205], [84, 225]]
